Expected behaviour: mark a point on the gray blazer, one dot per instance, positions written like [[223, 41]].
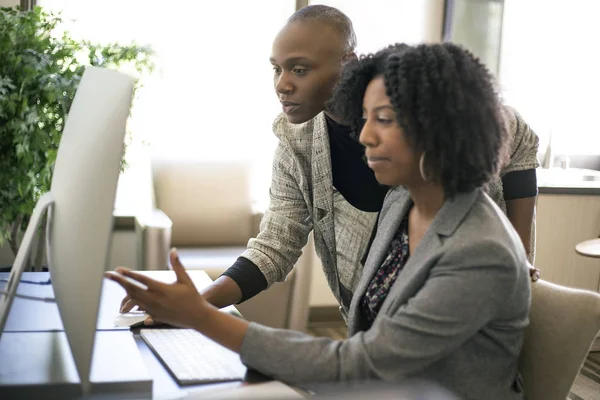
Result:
[[455, 315]]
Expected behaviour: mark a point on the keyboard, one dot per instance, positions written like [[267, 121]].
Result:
[[192, 358]]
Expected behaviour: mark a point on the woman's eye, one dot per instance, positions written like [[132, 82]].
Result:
[[383, 120]]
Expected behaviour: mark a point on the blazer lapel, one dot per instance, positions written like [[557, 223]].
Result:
[[323, 188], [387, 228], [415, 272], [445, 223], [453, 211], [321, 166]]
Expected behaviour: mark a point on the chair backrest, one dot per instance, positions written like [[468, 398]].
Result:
[[563, 325], [209, 202]]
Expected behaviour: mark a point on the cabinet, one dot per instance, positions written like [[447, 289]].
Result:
[[563, 220]]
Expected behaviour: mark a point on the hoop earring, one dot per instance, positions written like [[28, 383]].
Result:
[[422, 168]]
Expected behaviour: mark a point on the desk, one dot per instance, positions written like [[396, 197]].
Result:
[[589, 248], [39, 323]]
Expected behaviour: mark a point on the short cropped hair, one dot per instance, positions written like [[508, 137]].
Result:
[[329, 16], [447, 103]]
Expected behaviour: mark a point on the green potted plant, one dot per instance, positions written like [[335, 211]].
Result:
[[39, 74]]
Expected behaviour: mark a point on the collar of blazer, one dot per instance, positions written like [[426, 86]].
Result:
[[398, 203], [322, 183], [321, 167]]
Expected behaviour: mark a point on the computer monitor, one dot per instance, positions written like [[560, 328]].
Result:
[[80, 209]]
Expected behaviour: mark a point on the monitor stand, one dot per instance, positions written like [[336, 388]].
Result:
[[8, 294]]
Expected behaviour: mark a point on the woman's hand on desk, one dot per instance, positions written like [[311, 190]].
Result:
[[177, 303], [127, 305], [180, 304]]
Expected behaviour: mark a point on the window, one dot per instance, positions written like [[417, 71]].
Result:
[[549, 71], [476, 25], [211, 97], [379, 23]]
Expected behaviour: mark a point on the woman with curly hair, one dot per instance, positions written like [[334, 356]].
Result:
[[444, 294]]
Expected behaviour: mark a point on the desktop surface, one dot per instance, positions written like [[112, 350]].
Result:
[[41, 365], [30, 317]]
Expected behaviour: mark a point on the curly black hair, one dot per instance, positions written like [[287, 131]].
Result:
[[446, 102]]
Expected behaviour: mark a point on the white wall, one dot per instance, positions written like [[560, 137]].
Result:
[[9, 3], [379, 23], [549, 70]]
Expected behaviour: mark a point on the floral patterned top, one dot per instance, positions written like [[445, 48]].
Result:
[[387, 273]]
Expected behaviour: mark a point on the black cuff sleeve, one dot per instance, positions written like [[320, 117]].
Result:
[[520, 184], [248, 277]]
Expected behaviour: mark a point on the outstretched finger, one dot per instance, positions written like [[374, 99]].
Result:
[[143, 279], [179, 269], [134, 289]]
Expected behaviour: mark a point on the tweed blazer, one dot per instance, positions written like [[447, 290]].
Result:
[[455, 315], [302, 201]]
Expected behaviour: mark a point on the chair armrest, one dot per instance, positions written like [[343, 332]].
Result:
[[153, 237], [256, 219], [300, 301], [153, 219]]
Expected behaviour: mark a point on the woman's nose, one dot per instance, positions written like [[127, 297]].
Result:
[[367, 137]]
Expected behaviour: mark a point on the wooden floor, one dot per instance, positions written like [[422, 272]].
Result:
[[334, 330], [586, 386]]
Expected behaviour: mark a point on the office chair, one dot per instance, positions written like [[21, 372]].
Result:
[[563, 325]]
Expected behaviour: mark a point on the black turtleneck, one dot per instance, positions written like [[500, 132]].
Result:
[[352, 177]]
